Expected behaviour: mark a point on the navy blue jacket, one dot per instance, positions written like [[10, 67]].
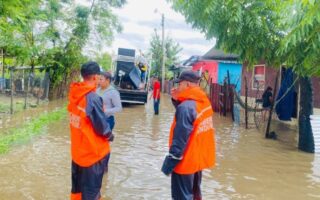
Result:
[[185, 116], [98, 119]]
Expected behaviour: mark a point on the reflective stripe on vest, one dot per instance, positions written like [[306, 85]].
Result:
[[87, 147]]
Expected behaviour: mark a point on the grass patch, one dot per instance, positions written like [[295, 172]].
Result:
[[5, 108], [32, 128]]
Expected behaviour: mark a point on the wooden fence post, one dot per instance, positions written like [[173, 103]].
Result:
[[225, 96], [230, 95]]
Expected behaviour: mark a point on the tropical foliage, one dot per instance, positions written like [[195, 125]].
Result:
[[245, 27], [278, 32], [105, 61], [301, 45], [56, 34], [275, 31]]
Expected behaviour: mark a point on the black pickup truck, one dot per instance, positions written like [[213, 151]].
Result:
[[127, 78]]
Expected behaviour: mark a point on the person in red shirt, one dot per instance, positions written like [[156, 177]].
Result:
[[156, 95]]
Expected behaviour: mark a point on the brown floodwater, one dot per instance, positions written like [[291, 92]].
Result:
[[248, 166]]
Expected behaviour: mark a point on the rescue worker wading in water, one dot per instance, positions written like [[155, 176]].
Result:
[[191, 141], [90, 135]]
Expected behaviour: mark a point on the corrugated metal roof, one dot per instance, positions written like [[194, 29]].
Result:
[[216, 54]]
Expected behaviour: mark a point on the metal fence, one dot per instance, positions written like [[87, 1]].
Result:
[[22, 88]]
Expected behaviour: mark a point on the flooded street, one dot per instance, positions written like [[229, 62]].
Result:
[[248, 166]]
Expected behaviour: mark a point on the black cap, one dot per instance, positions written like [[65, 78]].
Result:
[[188, 75], [90, 68]]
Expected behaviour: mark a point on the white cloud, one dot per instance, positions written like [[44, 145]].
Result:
[[184, 34], [139, 19]]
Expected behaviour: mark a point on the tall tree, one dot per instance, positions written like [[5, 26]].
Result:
[[301, 49], [56, 33], [248, 28], [172, 50], [273, 30], [104, 60], [14, 18]]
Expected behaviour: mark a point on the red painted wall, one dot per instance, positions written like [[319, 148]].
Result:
[[210, 66]]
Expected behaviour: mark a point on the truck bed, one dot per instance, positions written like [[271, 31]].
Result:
[[133, 96]]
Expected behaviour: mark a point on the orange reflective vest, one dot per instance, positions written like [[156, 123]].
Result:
[[200, 150], [87, 147]]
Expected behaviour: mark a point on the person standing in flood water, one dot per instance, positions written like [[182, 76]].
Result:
[[90, 135], [266, 101], [192, 139], [156, 95], [110, 96]]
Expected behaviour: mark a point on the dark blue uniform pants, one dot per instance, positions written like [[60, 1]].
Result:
[[88, 180], [156, 103], [186, 187], [111, 122]]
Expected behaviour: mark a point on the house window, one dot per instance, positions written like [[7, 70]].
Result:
[[258, 80]]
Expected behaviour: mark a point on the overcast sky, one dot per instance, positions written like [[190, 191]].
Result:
[[139, 19]]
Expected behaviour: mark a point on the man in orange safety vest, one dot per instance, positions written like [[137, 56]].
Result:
[[191, 141], [90, 135]]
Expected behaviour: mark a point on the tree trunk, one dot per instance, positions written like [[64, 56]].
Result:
[[3, 63], [46, 84], [275, 91], [11, 89], [306, 142], [246, 101]]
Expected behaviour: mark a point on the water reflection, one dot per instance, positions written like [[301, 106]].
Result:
[[315, 177], [248, 166]]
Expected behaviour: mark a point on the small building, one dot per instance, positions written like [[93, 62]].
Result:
[[218, 63], [260, 76], [214, 67], [215, 64]]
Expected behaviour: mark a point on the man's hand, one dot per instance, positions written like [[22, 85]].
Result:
[[174, 93], [165, 167], [110, 137], [168, 165]]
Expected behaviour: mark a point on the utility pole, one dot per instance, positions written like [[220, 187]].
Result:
[[163, 54]]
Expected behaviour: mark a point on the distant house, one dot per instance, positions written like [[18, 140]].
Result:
[[260, 76], [216, 63], [184, 65], [220, 63], [258, 79]]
